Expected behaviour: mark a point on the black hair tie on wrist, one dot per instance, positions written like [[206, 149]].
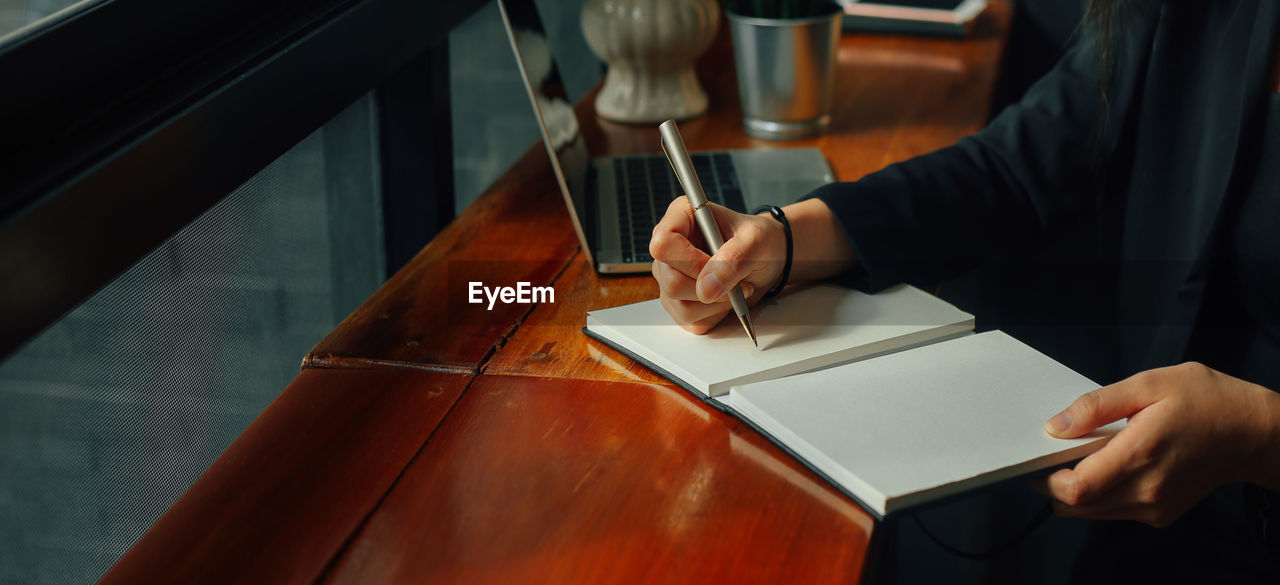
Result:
[[777, 214]]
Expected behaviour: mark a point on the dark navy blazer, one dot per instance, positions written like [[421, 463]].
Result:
[[1147, 165]]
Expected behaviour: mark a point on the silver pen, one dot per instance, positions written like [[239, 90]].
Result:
[[678, 156]]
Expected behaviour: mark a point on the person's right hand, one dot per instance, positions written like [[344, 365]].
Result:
[[694, 286]]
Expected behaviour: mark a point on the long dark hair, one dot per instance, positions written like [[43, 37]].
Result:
[[1103, 17]]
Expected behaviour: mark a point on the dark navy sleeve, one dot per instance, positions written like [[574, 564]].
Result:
[[1034, 169]]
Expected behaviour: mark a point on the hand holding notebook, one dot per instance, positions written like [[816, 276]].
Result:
[[920, 410], [892, 432]]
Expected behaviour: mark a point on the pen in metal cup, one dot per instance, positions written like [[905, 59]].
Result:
[[682, 165]]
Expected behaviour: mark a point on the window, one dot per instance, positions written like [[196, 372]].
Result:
[[115, 409], [191, 196]]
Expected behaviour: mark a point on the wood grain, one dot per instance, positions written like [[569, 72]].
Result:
[[518, 231], [568, 481], [551, 342], [563, 468], [279, 504]]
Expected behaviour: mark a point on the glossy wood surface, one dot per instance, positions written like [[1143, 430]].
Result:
[[551, 343], [279, 504], [431, 440], [538, 480], [896, 97], [518, 231]]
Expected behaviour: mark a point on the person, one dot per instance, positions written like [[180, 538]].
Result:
[[1159, 129]]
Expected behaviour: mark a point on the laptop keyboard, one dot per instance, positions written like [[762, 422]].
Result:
[[646, 185]]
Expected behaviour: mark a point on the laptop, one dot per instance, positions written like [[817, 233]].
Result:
[[615, 201]]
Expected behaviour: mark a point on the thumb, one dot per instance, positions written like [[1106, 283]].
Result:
[[725, 269], [1098, 408]]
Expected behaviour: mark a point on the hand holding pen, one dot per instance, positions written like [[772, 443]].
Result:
[[698, 289]]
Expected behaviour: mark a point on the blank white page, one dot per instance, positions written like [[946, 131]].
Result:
[[910, 427], [801, 330]]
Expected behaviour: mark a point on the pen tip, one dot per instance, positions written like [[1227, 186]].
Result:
[[751, 331]]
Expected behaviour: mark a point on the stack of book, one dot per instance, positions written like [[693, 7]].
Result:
[[952, 18]]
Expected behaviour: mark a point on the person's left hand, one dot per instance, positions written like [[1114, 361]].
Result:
[[1191, 429]]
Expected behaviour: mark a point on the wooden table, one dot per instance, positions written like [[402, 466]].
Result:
[[432, 440]]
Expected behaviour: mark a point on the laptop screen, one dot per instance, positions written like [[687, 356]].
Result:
[[556, 118]]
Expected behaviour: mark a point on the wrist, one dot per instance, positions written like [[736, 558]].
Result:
[[821, 247], [781, 270]]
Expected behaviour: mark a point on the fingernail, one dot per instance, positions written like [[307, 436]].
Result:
[[1059, 423], [709, 287]]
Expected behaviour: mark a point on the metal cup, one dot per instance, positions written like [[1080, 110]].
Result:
[[786, 71]]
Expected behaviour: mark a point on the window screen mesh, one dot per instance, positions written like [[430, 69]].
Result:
[[112, 412]]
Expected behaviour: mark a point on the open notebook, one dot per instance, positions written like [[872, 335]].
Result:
[[888, 396], [803, 330]]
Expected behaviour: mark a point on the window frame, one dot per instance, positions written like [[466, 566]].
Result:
[[133, 117]]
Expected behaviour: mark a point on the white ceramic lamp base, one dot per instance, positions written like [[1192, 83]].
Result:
[[651, 47], [640, 97]]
